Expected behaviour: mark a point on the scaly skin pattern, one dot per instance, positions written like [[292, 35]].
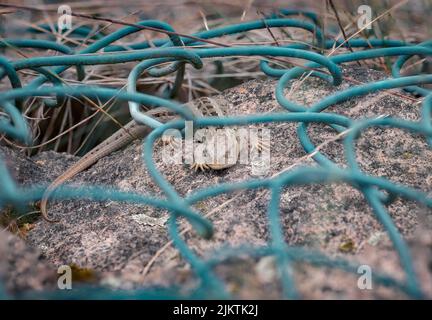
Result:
[[132, 131], [223, 143], [208, 107], [232, 151]]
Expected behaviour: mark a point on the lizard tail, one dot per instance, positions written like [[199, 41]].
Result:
[[134, 131], [44, 202]]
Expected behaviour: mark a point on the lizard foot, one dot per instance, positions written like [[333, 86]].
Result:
[[200, 166]]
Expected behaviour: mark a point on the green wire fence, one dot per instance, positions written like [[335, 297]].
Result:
[[378, 192]]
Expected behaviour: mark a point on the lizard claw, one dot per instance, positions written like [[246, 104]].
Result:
[[200, 166]]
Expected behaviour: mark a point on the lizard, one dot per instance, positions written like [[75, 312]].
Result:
[[131, 131], [214, 140], [128, 133]]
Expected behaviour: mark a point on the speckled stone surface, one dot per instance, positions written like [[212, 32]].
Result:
[[119, 239]]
